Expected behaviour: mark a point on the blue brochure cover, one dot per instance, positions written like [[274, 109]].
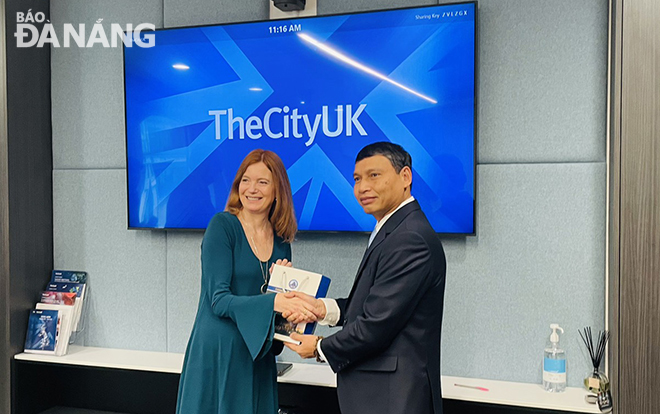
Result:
[[77, 288], [42, 331], [68, 276]]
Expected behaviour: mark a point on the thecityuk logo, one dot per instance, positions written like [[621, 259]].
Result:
[[28, 34]]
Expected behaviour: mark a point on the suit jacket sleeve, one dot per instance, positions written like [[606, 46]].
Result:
[[401, 280], [341, 303]]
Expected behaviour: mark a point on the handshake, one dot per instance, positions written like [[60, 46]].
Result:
[[298, 307]]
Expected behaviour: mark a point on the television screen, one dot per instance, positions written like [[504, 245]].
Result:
[[315, 91]]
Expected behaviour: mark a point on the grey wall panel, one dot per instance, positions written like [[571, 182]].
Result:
[[87, 84], [542, 80], [345, 6], [200, 12], [126, 268], [184, 271], [538, 259]]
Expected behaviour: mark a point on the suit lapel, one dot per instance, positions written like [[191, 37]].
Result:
[[389, 226], [380, 236]]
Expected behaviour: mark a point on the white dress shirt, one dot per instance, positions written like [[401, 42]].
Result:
[[332, 312]]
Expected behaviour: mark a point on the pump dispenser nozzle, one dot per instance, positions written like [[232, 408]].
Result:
[[554, 337]]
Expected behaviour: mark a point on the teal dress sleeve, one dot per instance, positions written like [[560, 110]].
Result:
[[253, 315], [278, 346]]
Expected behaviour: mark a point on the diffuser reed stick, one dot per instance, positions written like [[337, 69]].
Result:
[[595, 352]]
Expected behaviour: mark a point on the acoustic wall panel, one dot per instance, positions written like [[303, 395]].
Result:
[[87, 83], [542, 80], [538, 258], [184, 274], [201, 12], [127, 269], [345, 6]]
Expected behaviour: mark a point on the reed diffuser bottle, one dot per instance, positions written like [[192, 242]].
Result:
[[596, 381]]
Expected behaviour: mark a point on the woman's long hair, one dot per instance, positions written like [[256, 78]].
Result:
[[282, 216]]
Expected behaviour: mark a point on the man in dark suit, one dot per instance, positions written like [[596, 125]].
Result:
[[387, 356]]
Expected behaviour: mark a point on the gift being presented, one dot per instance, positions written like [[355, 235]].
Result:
[[289, 279]]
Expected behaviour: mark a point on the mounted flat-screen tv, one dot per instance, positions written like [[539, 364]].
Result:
[[315, 91]]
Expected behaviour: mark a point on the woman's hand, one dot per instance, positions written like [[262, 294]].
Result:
[[318, 308], [294, 308], [282, 262]]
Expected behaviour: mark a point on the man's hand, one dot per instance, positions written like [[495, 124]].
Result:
[[306, 348], [316, 306]]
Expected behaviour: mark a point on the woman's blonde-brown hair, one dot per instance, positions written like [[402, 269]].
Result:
[[282, 216]]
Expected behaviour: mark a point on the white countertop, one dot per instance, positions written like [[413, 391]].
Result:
[[112, 358], [499, 392], [516, 394]]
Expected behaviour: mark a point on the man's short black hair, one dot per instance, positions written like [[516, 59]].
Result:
[[393, 152]]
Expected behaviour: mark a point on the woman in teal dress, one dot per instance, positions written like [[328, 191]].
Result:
[[229, 366]]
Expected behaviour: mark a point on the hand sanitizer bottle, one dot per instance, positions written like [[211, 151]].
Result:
[[554, 363]]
